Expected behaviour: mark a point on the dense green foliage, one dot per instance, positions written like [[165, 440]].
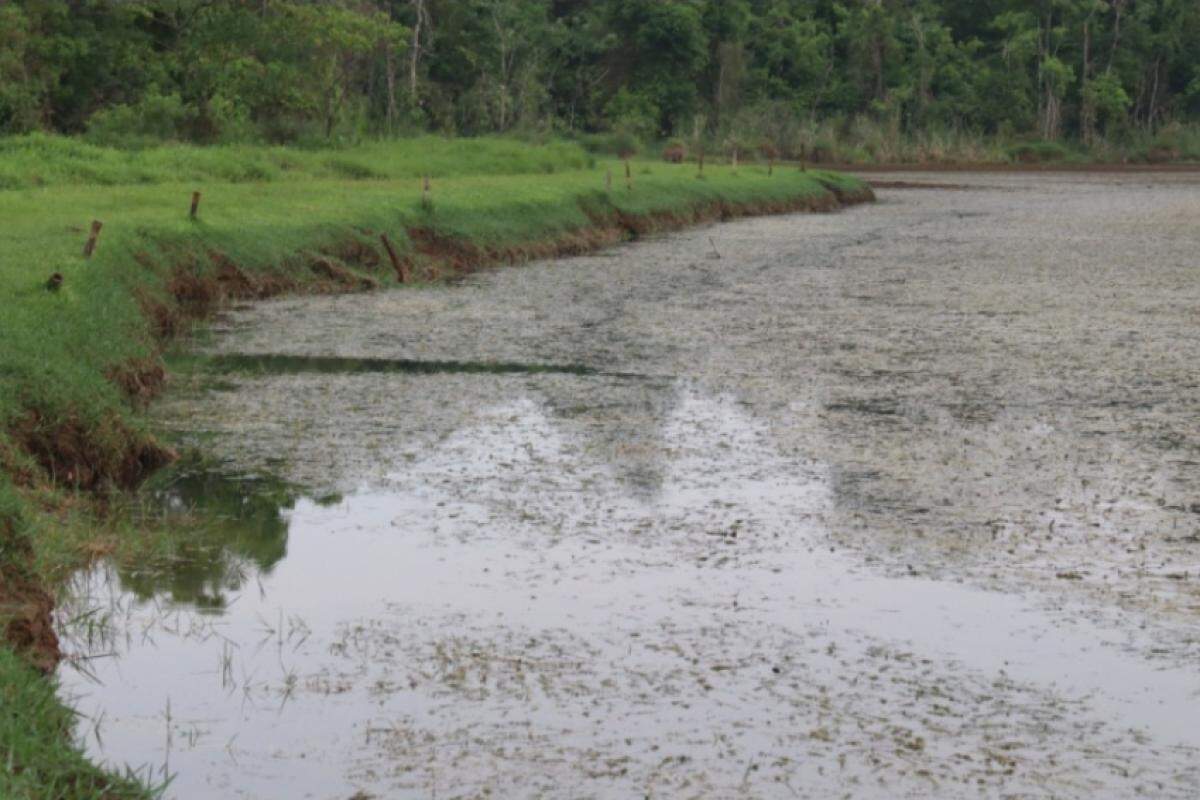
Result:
[[796, 72]]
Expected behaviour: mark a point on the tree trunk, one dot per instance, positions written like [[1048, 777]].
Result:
[[877, 61], [392, 107], [1152, 108], [1087, 114], [1118, 10], [414, 62]]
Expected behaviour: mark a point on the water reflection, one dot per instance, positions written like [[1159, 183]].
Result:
[[504, 606], [240, 531]]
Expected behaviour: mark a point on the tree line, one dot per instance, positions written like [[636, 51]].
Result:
[[301, 70]]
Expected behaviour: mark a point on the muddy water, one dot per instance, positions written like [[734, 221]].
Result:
[[898, 502]]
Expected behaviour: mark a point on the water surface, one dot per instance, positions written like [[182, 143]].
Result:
[[889, 503]]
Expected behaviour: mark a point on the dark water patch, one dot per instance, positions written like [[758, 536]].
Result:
[[973, 413], [279, 364], [880, 407]]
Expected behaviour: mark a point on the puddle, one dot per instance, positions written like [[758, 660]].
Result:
[[505, 615]]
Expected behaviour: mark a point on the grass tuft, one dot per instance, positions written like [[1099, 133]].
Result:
[[38, 757]]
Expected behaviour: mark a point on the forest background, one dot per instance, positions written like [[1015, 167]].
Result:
[[848, 81]]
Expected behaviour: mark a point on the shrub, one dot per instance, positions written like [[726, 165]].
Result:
[[1039, 152], [675, 152], [622, 144], [635, 114], [153, 119], [1174, 142]]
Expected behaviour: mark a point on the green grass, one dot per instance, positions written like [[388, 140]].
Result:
[[265, 209], [37, 758], [41, 160]]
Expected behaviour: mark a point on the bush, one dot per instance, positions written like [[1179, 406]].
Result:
[[153, 119], [1039, 152], [620, 143], [1174, 142], [675, 151], [635, 114]]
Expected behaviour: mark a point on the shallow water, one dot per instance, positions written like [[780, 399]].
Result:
[[894, 502]]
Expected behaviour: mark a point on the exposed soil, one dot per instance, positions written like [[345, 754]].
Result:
[[26, 608], [91, 455]]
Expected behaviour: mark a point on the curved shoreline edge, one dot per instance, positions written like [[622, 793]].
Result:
[[62, 462]]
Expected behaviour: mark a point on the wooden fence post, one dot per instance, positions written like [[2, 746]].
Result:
[[397, 264], [426, 190], [195, 205], [90, 247], [628, 176]]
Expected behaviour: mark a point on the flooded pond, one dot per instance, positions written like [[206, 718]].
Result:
[[897, 502]]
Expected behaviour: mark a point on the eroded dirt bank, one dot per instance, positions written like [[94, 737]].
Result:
[[900, 502]]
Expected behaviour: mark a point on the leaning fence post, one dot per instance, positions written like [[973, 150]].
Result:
[[628, 176], [397, 264], [90, 247], [195, 205]]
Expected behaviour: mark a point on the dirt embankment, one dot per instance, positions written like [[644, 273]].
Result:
[[25, 606], [111, 453]]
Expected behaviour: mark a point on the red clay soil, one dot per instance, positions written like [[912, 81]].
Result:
[[443, 256], [25, 607], [90, 457], [330, 270], [439, 256]]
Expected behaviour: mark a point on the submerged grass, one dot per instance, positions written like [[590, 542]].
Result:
[[78, 361]]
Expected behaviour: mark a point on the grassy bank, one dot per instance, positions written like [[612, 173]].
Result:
[[83, 336]]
